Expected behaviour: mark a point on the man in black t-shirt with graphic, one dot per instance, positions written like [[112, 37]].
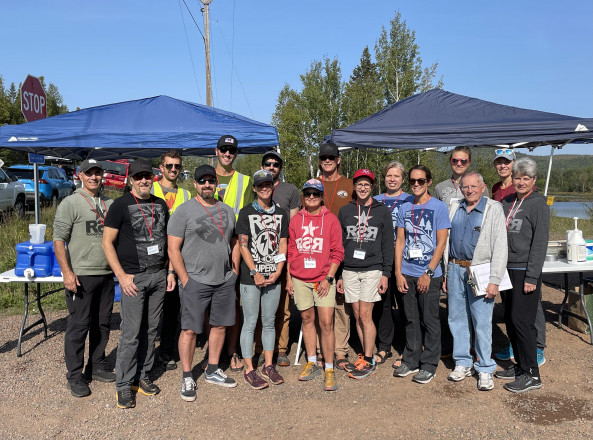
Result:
[[135, 244]]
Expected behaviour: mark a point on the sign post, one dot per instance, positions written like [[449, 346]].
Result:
[[36, 159]]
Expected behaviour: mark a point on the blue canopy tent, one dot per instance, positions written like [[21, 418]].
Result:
[[141, 128]]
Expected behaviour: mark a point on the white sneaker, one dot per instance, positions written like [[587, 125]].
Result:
[[485, 381], [459, 373]]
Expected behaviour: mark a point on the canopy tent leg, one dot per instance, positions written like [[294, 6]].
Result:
[[549, 171]]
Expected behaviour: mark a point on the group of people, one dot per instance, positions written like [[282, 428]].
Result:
[[229, 261]]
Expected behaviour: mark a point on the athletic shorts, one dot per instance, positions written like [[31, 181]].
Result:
[[306, 297], [361, 286]]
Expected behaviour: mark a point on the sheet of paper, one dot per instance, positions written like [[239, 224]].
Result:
[[481, 276]]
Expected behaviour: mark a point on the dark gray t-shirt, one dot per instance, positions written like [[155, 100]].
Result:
[[287, 196], [205, 252]]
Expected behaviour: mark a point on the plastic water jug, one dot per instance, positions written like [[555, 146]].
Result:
[[38, 257]]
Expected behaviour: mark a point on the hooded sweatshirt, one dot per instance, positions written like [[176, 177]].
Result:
[[370, 229], [316, 237]]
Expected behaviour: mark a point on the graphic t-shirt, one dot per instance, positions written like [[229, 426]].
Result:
[[449, 191], [264, 232], [421, 223], [393, 203], [337, 193], [142, 225]]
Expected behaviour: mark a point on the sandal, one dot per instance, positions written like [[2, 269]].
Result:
[[320, 362], [387, 355], [236, 360], [398, 362], [340, 363]]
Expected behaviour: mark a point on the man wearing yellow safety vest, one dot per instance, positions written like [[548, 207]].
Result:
[[235, 190], [173, 196]]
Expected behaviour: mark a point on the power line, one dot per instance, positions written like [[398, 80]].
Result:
[[189, 50], [192, 17]]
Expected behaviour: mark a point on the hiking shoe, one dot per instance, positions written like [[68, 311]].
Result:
[[540, 357], [309, 371], [125, 399], [363, 370], [509, 373], [254, 381], [188, 389], [105, 376], [330, 383], [79, 388], [353, 366], [168, 362], [423, 376], [403, 371], [272, 375], [459, 373], [219, 378], [282, 360], [146, 387], [485, 381], [505, 354], [524, 382]]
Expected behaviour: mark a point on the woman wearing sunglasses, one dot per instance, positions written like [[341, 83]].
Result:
[[422, 231], [315, 252]]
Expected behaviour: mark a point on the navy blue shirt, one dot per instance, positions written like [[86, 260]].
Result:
[[465, 230]]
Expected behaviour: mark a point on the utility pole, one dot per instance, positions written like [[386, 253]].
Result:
[[206, 11]]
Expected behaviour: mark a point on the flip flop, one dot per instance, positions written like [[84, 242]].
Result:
[[235, 360], [382, 358], [340, 363]]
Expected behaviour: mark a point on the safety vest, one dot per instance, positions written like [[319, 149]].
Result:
[[182, 196], [238, 184]]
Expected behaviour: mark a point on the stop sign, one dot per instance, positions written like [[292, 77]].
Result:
[[33, 99]]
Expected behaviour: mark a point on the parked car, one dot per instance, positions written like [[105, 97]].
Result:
[[76, 178], [115, 173], [12, 193], [157, 175], [53, 186]]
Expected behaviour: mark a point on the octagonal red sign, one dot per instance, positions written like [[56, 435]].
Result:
[[33, 99]]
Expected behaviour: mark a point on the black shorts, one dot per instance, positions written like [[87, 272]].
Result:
[[196, 297]]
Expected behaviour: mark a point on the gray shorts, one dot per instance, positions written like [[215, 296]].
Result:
[[196, 297]]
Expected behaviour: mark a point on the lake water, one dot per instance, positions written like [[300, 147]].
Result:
[[572, 209]]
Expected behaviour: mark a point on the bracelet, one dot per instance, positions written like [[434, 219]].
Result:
[[171, 272]]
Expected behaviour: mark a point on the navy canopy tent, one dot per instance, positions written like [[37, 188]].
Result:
[[141, 128], [439, 118]]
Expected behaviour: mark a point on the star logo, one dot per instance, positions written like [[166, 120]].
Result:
[[364, 217], [309, 229]]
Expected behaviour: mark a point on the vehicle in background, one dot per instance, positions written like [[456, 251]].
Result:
[[115, 172], [157, 174], [12, 194], [76, 178], [184, 175], [53, 186]]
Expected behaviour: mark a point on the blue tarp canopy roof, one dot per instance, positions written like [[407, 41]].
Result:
[[438, 118], [141, 128]]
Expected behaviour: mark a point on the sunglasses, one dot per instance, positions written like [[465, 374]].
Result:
[[324, 158], [140, 176], [170, 166], [509, 152], [459, 161], [203, 181], [272, 164], [420, 182], [231, 150], [314, 194]]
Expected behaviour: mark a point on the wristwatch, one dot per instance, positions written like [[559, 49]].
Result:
[[171, 272], [429, 272], [329, 279], [252, 272]]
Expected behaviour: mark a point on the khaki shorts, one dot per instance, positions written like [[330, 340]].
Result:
[[306, 297], [361, 286]]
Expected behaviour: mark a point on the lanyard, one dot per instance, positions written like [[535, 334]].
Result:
[[512, 213], [366, 222], [419, 219], [335, 191], [267, 230], [394, 203], [312, 229], [226, 193], [455, 186], [101, 219], [142, 212], [219, 213]]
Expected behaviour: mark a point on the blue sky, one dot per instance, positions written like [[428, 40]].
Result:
[[525, 53]]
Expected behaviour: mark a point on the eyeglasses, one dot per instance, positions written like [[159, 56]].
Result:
[[272, 164], [324, 158], [459, 161], [420, 182], [231, 150], [363, 185], [468, 187], [140, 176], [170, 166], [314, 194], [509, 152], [203, 181]]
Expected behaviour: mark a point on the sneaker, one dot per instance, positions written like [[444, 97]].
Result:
[[79, 388], [509, 373], [524, 382], [282, 360], [272, 375], [459, 373], [168, 362], [254, 381], [105, 376], [188, 389], [258, 359], [403, 371], [330, 383], [146, 387], [423, 376], [505, 354], [310, 370], [363, 370], [353, 366], [219, 378], [540, 357], [485, 381], [125, 399]]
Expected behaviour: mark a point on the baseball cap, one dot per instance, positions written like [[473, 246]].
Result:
[[363, 172], [88, 164], [313, 183], [329, 150], [506, 153], [262, 176], [140, 166], [274, 154], [204, 170], [227, 140]]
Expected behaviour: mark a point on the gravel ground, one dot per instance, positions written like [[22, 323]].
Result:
[[35, 403]]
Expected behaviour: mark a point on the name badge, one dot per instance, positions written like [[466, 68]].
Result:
[[279, 258], [152, 250], [359, 254], [454, 200], [415, 252], [310, 263]]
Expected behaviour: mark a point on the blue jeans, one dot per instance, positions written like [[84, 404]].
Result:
[[251, 296], [464, 310]]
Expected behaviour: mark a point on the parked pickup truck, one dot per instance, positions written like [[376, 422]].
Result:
[[12, 194], [53, 186]]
